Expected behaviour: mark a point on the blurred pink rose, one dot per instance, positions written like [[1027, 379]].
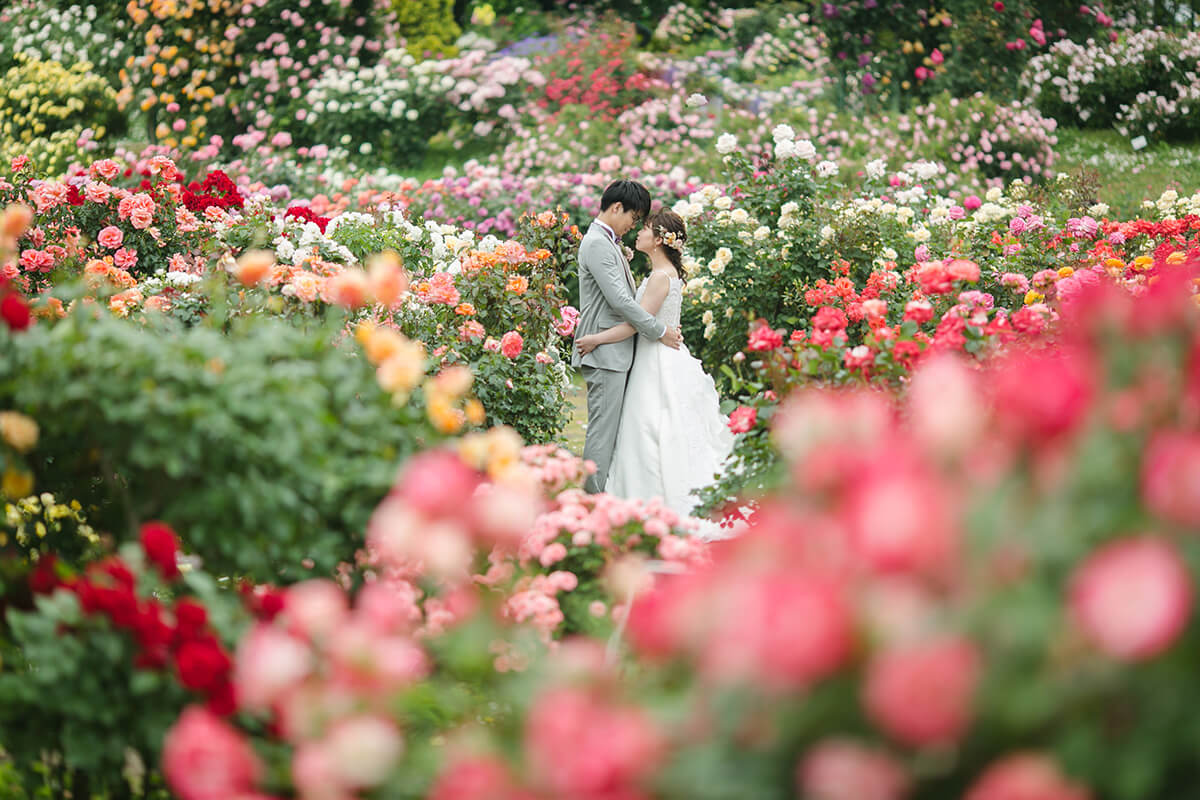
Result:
[[1171, 477], [922, 694], [269, 661], [1026, 776], [843, 769], [1132, 597], [204, 758]]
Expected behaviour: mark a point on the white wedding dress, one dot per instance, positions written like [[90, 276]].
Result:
[[672, 436]]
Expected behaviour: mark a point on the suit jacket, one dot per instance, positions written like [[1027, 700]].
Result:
[[606, 295]]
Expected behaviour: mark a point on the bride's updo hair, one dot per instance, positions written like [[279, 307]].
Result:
[[669, 226]]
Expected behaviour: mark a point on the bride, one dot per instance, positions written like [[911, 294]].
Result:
[[672, 437]]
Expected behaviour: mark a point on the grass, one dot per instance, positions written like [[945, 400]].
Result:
[[576, 428], [1127, 177]]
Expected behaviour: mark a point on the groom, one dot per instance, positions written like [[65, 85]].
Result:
[[606, 292]]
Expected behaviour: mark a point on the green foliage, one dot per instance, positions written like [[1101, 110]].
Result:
[[77, 711], [267, 446], [45, 108]]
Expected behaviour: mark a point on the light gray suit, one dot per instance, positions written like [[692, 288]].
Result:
[[606, 294]]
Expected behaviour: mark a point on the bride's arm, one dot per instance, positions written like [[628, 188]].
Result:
[[657, 288]]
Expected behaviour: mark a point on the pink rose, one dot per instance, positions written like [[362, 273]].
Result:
[[843, 769], [110, 237], [1026, 776], [511, 344], [125, 258], [206, 759], [922, 694], [1171, 477], [743, 419], [269, 661], [1132, 597], [554, 552], [491, 345], [315, 608], [580, 746], [141, 218]]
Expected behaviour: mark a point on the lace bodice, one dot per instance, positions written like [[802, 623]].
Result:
[[672, 305]]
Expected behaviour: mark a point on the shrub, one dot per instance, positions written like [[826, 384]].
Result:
[[267, 445], [428, 26], [1144, 83], [390, 109], [99, 663], [45, 109]]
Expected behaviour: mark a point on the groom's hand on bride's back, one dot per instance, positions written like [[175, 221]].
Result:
[[673, 337]]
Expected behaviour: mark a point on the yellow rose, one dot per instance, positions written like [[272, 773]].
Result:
[[16, 484], [1065, 272], [1032, 297], [18, 430]]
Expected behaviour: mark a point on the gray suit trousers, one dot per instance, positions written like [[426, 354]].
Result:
[[605, 398]]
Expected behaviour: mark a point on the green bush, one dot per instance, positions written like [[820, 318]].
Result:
[[268, 446]]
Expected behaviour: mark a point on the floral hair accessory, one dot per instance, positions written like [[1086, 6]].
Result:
[[672, 240]]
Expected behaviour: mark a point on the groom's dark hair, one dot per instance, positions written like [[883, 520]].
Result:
[[630, 194]]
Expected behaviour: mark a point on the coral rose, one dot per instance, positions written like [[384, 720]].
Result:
[[110, 237], [511, 344]]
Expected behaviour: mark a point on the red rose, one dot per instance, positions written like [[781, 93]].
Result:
[[44, 578], [190, 619], [160, 544], [15, 312], [153, 636], [202, 663], [221, 700]]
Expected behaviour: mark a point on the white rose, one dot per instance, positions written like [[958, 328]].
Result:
[[827, 233], [827, 169], [716, 267], [740, 216], [789, 208], [724, 255], [696, 100], [707, 318], [876, 168], [724, 203], [726, 143], [783, 133], [919, 234], [889, 254], [785, 149], [805, 150], [762, 232], [994, 194], [710, 330], [904, 215]]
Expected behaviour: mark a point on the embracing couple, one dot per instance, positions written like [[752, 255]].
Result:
[[655, 428]]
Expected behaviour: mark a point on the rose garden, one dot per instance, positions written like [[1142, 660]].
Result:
[[290, 443]]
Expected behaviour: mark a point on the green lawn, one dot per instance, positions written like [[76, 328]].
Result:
[[1127, 177], [577, 397]]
